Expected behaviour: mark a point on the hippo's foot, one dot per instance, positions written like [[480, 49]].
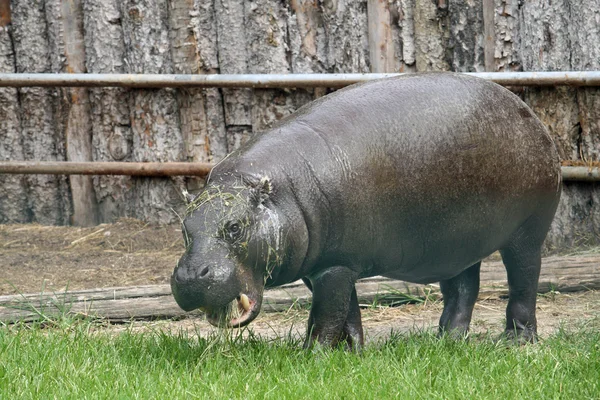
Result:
[[520, 334], [335, 315], [460, 294]]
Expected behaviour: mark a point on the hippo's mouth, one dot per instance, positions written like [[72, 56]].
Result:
[[240, 312]]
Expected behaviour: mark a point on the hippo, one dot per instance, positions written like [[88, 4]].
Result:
[[417, 177]]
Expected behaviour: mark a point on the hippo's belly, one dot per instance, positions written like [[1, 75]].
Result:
[[430, 241]]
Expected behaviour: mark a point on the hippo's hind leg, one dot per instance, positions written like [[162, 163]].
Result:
[[460, 294], [522, 259], [335, 314]]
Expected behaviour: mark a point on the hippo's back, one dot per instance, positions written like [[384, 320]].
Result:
[[445, 167]]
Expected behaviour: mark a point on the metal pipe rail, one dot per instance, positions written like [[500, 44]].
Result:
[[105, 168], [156, 169], [266, 81]]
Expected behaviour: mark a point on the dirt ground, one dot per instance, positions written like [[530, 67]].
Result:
[[128, 253]]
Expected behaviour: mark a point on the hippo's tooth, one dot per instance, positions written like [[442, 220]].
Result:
[[245, 302]]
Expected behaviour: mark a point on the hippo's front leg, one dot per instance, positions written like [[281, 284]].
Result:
[[334, 315]]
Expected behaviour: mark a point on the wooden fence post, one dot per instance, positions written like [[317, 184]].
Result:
[[78, 130]]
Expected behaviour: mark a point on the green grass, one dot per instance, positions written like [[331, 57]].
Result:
[[80, 360]]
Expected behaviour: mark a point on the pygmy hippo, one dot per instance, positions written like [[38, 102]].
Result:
[[417, 177]]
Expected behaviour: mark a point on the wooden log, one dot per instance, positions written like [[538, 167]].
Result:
[[406, 21], [381, 46], [546, 35], [155, 121], [347, 29], [489, 35], [110, 115], [431, 27], [266, 50], [507, 36], [306, 37], [73, 112], [48, 196], [563, 274], [465, 46], [237, 103], [13, 192], [193, 34]]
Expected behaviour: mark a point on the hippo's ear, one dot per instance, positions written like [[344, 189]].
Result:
[[187, 196], [260, 190]]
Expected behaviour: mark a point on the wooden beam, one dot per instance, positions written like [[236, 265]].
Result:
[[565, 274], [489, 33], [78, 129], [381, 46]]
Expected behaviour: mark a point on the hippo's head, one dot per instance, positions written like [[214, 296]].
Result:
[[234, 242]]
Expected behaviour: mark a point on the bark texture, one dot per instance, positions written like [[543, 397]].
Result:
[[109, 115], [466, 35], [49, 195], [13, 200], [194, 51], [72, 113], [563, 35], [432, 35], [154, 114], [260, 36], [507, 35]]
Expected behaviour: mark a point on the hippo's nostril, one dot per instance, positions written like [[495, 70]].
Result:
[[204, 272]]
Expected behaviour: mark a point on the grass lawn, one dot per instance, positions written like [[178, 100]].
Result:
[[79, 359]]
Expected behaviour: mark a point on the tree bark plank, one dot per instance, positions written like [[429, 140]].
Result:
[[432, 35], [192, 32], [466, 35], [110, 116], [347, 32], [584, 46], [231, 32], [584, 39], [548, 30], [381, 45], [306, 37], [48, 200], [13, 191], [73, 108], [407, 39], [154, 113], [507, 36], [194, 50], [266, 50], [489, 35], [565, 274]]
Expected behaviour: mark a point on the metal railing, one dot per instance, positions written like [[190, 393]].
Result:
[[257, 81], [267, 81], [157, 169]]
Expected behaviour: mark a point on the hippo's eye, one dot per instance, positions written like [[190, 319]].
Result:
[[234, 229]]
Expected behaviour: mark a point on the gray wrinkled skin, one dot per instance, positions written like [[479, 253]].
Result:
[[416, 178]]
